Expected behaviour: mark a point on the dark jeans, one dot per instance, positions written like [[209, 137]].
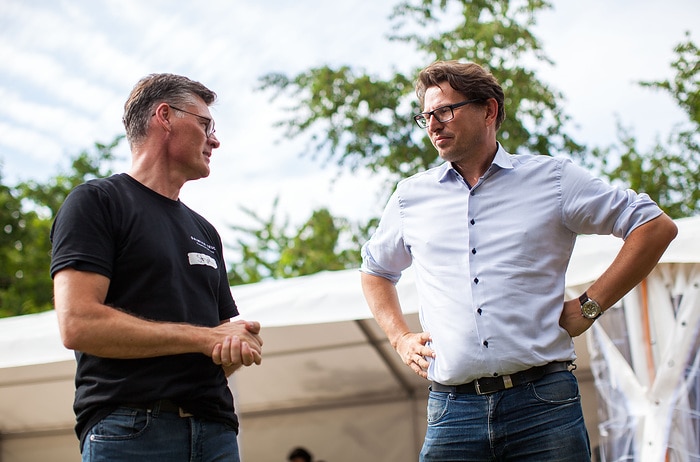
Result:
[[130, 434], [540, 421]]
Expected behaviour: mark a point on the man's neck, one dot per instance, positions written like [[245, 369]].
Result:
[[151, 169], [474, 168]]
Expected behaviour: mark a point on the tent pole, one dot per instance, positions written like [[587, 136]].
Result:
[[376, 344], [646, 327]]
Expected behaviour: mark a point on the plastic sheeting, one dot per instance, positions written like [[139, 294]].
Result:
[[645, 360]]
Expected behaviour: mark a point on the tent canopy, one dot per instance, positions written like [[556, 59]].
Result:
[[323, 353]]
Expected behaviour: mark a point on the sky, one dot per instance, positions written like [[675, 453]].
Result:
[[66, 68]]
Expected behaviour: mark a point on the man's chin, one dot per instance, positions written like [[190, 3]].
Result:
[[202, 174], [446, 156]]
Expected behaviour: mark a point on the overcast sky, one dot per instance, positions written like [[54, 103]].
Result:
[[66, 68]]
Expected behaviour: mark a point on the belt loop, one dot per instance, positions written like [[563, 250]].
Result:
[[154, 409], [507, 382]]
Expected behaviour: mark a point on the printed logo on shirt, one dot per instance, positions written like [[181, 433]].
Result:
[[203, 244], [201, 259]]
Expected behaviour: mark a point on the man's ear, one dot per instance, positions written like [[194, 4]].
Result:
[[162, 116], [491, 110]]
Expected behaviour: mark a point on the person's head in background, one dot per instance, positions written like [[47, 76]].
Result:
[[299, 455]]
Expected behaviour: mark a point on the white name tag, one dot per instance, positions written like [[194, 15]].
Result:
[[201, 259]]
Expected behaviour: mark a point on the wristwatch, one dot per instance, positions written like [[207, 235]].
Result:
[[589, 307]]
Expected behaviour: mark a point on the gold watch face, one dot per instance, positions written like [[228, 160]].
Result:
[[590, 309]]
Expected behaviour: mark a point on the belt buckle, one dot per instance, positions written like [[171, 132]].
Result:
[[184, 413], [477, 387]]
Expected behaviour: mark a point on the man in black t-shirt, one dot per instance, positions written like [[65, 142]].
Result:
[[142, 295]]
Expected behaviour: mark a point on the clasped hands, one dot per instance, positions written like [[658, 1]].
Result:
[[238, 344]]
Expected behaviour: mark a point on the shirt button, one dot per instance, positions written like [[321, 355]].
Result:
[[472, 221], [478, 310], [486, 343], [476, 280], [474, 251]]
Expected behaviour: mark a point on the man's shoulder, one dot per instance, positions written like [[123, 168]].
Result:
[[538, 166], [524, 159], [111, 183], [198, 217], [432, 175]]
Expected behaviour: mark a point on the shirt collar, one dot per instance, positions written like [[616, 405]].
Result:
[[501, 160]]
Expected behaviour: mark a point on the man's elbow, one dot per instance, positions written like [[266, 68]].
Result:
[[70, 337], [667, 230], [73, 331]]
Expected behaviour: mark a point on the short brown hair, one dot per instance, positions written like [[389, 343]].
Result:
[[153, 90], [470, 79]]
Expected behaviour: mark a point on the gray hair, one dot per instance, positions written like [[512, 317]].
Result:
[[153, 90]]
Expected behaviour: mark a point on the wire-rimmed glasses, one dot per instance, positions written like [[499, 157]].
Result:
[[209, 130]]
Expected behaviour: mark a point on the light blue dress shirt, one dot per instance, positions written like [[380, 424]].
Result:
[[490, 261]]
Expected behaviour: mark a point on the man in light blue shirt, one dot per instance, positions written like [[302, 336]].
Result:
[[490, 236]]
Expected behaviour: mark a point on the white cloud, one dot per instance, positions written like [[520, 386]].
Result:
[[68, 66]]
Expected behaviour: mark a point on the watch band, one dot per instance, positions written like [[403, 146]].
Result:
[[583, 298]]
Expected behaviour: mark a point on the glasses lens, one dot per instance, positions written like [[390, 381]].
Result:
[[210, 128], [444, 114], [421, 120]]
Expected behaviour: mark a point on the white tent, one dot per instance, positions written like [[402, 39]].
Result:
[[645, 356], [329, 379]]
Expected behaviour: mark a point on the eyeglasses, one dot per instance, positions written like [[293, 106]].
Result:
[[209, 130], [442, 114]]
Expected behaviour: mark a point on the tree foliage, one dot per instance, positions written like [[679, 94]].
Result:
[[361, 120], [27, 211], [668, 171], [271, 249]]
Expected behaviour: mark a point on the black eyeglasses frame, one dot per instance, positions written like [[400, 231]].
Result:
[[422, 118]]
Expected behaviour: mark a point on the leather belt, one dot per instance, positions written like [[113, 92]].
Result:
[[162, 405], [486, 385]]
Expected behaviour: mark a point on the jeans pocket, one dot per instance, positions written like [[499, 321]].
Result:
[[122, 424], [437, 407], [556, 388]]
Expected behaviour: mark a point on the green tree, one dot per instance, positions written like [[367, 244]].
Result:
[[669, 172], [363, 121], [27, 211], [271, 249], [360, 120], [83, 167], [16, 232]]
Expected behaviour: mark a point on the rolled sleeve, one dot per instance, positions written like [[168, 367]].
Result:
[[592, 206], [385, 254]]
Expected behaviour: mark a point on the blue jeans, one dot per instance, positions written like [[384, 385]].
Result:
[[130, 434], [540, 421]]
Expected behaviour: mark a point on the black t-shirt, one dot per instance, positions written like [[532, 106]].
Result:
[[165, 263]]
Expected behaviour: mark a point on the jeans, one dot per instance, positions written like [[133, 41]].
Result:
[[130, 434], [540, 421]]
